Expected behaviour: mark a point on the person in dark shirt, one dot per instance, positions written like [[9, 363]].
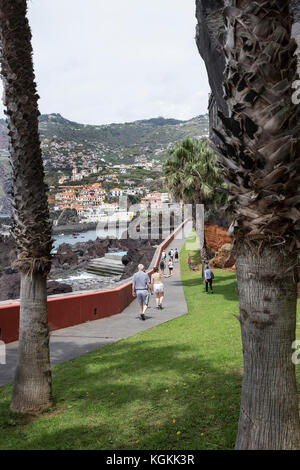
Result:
[[209, 276], [162, 266]]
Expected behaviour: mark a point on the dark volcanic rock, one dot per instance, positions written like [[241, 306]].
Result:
[[68, 217], [65, 256], [54, 287], [135, 257], [7, 252], [70, 257], [10, 286], [138, 252]]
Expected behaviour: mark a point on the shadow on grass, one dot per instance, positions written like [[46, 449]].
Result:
[[127, 400], [221, 286]]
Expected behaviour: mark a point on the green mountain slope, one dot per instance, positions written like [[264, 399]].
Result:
[[157, 131]]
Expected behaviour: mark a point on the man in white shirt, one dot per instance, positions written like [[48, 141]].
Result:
[[209, 275]]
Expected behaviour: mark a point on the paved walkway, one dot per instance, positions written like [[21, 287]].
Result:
[[68, 343]]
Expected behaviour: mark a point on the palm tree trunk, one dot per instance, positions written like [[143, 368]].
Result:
[[32, 227], [260, 154], [269, 414], [32, 390]]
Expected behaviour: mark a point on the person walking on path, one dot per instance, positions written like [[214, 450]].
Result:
[[209, 276], [171, 254], [141, 285], [164, 255], [162, 266], [170, 266], [176, 255], [158, 287]]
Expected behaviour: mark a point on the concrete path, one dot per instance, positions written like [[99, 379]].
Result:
[[68, 343]]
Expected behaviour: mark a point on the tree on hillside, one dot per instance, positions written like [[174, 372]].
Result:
[[32, 228], [192, 176], [260, 153]]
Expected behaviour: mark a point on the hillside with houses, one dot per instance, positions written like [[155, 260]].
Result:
[[87, 165]]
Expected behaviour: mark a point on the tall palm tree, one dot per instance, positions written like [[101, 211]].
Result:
[[260, 153], [192, 176], [32, 228]]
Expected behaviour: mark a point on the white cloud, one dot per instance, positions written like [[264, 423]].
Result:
[[101, 61]]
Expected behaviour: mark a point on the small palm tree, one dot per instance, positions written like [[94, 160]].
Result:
[[32, 228], [193, 176]]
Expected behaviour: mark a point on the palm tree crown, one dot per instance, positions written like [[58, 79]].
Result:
[[192, 174]]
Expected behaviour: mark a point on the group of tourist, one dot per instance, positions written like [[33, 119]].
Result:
[[142, 286], [173, 255]]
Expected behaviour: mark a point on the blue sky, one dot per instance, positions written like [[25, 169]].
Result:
[[103, 61]]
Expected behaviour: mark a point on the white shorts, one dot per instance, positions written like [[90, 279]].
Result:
[[158, 287]]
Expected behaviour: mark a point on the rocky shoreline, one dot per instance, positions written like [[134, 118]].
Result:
[[68, 272], [72, 228], [84, 227], [70, 261]]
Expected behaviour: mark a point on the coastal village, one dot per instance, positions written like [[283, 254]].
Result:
[[98, 201], [93, 186], [90, 201]]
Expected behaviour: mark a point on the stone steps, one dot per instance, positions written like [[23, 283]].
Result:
[[108, 266]]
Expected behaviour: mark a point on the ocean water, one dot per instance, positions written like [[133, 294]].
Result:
[[119, 253]]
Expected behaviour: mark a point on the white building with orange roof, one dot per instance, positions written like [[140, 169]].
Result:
[[116, 192]]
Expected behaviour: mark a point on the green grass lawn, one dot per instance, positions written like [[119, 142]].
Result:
[[176, 386]]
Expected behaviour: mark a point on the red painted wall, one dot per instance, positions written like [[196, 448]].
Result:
[[75, 309]]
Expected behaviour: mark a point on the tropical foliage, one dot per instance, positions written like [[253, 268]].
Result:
[[193, 175]]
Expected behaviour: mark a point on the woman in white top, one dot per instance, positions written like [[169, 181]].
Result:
[[158, 287]]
